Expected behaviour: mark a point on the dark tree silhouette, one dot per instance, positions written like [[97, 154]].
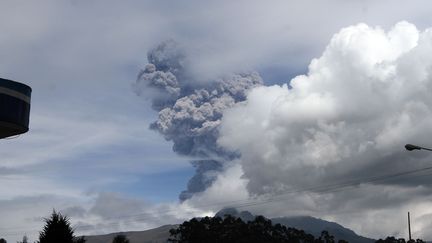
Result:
[[80, 240], [58, 229], [234, 230], [392, 239], [325, 237], [24, 240], [120, 239], [3, 240]]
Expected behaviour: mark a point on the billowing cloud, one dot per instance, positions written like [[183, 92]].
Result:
[[190, 111], [349, 117]]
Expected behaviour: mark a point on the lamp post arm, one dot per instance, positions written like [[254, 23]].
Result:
[[411, 147]]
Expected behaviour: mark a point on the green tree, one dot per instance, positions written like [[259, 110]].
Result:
[[120, 239], [24, 240], [234, 230], [58, 229], [80, 240], [392, 239], [326, 237]]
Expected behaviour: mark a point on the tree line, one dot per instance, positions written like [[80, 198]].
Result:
[[229, 229], [234, 230]]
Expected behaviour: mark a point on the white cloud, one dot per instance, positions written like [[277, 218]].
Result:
[[228, 187], [352, 104], [360, 102]]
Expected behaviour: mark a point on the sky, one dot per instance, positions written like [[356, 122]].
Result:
[[147, 113]]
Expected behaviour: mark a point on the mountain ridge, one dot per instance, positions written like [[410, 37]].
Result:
[[309, 224]]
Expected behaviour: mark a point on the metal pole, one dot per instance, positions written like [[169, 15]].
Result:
[[409, 226]]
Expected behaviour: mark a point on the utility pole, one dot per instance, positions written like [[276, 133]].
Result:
[[409, 226]]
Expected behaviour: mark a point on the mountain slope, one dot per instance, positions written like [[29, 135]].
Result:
[[309, 224], [315, 226], [157, 235]]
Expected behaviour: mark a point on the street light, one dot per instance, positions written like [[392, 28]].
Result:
[[14, 108], [411, 147]]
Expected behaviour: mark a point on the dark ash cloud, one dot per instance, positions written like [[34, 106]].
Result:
[[190, 111]]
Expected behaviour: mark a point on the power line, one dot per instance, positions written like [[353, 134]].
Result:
[[318, 189], [336, 187], [281, 197]]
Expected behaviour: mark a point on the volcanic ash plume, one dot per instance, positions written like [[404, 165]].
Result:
[[190, 112]]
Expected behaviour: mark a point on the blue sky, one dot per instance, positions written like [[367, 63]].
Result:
[[89, 131]]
